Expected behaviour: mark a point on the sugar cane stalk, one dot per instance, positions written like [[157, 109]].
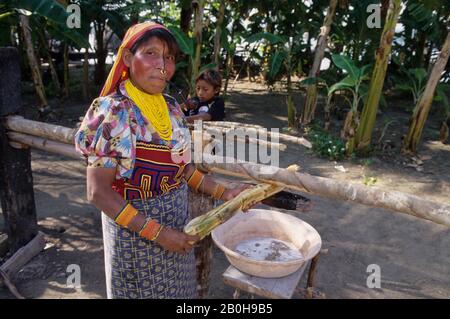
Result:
[[204, 224]]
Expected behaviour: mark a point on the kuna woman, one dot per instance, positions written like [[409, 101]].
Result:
[[129, 136]]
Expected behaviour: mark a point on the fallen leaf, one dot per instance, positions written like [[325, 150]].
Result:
[[340, 168]]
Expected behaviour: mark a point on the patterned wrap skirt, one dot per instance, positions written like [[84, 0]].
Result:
[[139, 268]]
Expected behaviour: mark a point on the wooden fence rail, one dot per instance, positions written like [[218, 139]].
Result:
[[58, 139]]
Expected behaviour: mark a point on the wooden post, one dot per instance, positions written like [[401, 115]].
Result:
[[16, 180], [200, 204]]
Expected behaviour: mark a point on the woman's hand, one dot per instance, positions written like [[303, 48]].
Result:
[[176, 241], [233, 192]]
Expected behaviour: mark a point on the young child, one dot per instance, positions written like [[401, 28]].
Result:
[[207, 105]]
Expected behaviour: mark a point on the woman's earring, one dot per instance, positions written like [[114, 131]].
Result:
[[163, 72]]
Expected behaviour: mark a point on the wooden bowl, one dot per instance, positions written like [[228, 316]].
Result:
[[259, 223]]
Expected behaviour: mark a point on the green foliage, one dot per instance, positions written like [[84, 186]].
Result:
[[324, 144], [206, 67], [271, 38], [415, 81], [412, 80], [276, 62], [186, 43], [53, 15], [369, 180], [353, 82]]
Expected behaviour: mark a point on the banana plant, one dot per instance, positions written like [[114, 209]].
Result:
[[54, 13], [187, 47], [282, 60], [55, 16], [414, 81], [354, 83]]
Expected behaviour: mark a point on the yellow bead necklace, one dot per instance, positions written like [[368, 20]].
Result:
[[154, 108]]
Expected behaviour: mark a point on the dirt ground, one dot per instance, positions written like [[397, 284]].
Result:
[[413, 254]]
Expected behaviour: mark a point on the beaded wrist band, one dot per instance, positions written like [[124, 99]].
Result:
[[126, 215], [157, 233], [151, 229], [196, 179]]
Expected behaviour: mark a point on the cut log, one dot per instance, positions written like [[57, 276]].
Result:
[[44, 144], [342, 190], [54, 132], [226, 133], [20, 259], [4, 246], [225, 126], [24, 255], [10, 285]]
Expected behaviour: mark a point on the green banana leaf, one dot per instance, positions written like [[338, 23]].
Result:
[[345, 63], [272, 38], [347, 83], [186, 43], [275, 63]]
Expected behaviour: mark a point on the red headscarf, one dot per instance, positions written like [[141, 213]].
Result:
[[119, 71]]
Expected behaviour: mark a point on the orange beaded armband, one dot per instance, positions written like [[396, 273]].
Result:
[[126, 215], [151, 229], [196, 179]]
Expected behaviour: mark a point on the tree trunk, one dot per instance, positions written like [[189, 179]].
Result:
[[423, 106], [186, 15], [66, 71], [311, 95], [229, 62], [34, 63], [198, 16], [421, 49], [443, 132], [99, 76], [86, 75], [290, 99], [50, 62], [199, 204], [364, 132], [12, 36], [249, 72], [229, 66], [217, 37], [267, 50], [384, 9]]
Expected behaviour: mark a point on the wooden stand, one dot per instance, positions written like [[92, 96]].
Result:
[[272, 288]]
